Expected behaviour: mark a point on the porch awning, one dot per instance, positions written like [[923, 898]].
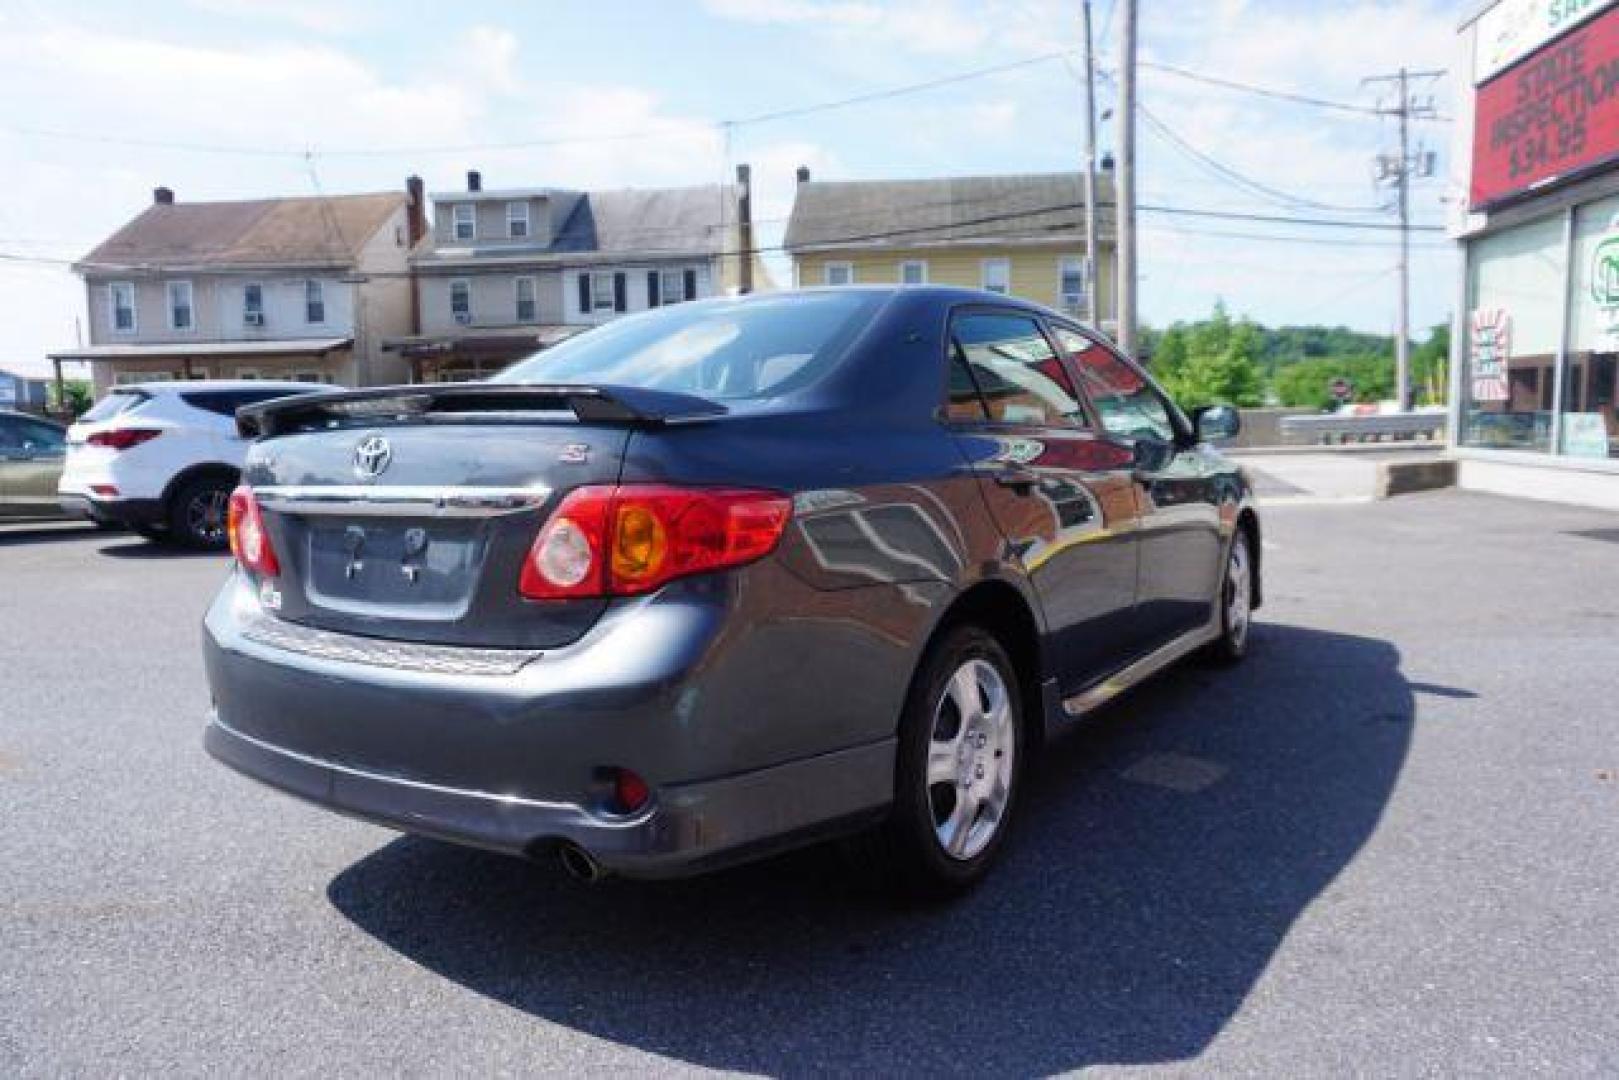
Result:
[[501, 343], [197, 350]]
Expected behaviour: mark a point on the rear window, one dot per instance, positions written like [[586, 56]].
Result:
[[728, 350], [226, 402], [114, 404]]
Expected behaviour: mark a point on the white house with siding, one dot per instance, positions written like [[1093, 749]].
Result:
[[504, 272], [300, 288]]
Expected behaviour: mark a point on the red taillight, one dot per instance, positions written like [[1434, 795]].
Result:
[[123, 438], [630, 792], [248, 540], [632, 539]]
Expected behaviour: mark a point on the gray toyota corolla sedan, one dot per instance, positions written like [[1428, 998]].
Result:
[[723, 578]]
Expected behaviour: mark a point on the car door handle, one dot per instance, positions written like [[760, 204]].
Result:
[[1021, 481]]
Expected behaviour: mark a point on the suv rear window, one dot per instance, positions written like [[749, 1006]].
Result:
[[730, 350], [116, 403], [226, 402]]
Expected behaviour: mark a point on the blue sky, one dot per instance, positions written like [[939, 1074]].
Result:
[[375, 95]]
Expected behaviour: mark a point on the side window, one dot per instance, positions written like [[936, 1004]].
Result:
[[964, 405], [1126, 402], [10, 434], [1020, 378], [41, 436]]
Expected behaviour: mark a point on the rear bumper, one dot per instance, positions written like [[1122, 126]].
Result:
[[510, 757], [690, 827], [113, 511]]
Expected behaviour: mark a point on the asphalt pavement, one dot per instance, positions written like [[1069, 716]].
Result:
[[1385, 845]]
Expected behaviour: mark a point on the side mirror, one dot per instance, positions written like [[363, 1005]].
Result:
[[1216, 423]]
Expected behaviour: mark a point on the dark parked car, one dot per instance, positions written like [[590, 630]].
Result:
[[723, 578]]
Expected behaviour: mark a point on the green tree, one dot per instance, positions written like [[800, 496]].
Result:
[[1430, 366], [1222, 365], [78, 394]]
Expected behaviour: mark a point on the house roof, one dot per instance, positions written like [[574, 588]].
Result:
[[637, 223], [252, 233], [1025, 208]]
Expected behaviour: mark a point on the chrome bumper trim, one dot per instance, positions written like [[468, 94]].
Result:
[[377, 652]]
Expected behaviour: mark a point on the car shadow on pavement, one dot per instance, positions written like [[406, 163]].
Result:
[[1163, 853], [137, 548], [46, 532]]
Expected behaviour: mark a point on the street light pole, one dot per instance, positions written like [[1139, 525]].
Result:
[[1126, 181], [1092, 306]]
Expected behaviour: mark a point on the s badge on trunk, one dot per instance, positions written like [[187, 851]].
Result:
[[372, 455]]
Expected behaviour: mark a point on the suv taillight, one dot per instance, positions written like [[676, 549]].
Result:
[[248, 540], [634, 538], [123, 438]]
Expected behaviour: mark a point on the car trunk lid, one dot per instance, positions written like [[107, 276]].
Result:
[[406, 514]]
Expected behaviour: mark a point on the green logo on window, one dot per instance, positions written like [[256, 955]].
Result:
[[1605, 273]]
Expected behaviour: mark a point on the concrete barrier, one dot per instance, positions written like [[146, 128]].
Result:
[[1404, 477]]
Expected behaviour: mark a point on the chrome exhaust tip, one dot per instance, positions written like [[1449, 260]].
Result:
[[580, 864]]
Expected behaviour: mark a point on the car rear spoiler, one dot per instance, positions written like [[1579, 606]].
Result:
[[476, 402]]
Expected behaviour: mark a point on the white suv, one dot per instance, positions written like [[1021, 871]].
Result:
[[162, 457]]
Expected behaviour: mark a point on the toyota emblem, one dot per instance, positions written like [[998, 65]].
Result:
[[371, 457]]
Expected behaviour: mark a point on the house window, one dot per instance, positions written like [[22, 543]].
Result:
[[517, 220], [1071, 282], [996, 275], [672, 287], [249, 373], [182, 316], [601, 292], [253, 305], [461, 301], [122, 296], [839, 273], [310, 375], [913, 272], [466, 221], [527, 308], [314, 301]]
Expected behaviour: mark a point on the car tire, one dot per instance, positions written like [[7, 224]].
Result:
[[1236, 602], [957, 770], [197, 514]]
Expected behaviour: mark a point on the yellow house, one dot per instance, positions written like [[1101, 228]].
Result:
[[1020, 235]]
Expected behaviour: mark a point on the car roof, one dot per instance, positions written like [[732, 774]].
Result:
[[29, 416], [180, 386]]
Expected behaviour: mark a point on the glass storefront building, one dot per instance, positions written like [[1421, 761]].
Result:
[[1535, 365]]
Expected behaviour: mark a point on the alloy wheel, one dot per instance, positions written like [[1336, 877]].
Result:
[[970, 759], [205, 515], [1238, 593]]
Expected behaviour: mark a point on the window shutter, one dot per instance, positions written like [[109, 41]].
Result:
[[691, 284], [651, 288], [619, 289], [584, 294]]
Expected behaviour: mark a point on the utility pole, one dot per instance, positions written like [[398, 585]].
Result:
[[1092, 309], [1398, 170], [1126, 181]]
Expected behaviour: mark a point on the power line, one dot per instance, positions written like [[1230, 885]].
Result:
[[1270, 92], [1246, 183]]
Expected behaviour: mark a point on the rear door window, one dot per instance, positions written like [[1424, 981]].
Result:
[[1016, 372]]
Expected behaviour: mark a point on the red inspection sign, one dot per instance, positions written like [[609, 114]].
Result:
[[1549, 116]]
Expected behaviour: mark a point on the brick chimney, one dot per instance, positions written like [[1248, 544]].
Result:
[[474, 180], [163, 196], [416, 209], [803, 174]]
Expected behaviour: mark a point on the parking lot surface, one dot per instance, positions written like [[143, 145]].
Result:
[[1384, 845]]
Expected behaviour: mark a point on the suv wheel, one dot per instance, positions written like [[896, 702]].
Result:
[[197, 515], [1236, 603], [960, 759]]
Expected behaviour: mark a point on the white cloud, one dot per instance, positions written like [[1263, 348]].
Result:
[[315, 16]]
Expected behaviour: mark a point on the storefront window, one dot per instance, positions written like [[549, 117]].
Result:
[[1589, 425], [1515, 315]]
